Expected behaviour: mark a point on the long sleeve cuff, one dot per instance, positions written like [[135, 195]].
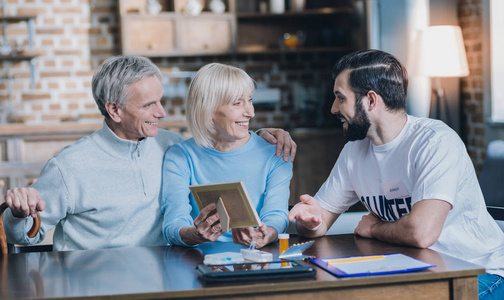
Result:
[[279, 223], [16, 228], [172, 234]]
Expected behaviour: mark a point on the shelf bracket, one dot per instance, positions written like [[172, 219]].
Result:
[[32, 73]]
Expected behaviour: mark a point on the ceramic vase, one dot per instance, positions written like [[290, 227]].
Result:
[[153, 7], [193, 7], [5, 47], [277, 6], [217, 6]]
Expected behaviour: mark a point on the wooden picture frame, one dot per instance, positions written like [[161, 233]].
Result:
[[234, 206]]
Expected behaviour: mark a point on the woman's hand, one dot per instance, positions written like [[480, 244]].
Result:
[[207, 227], [262, 235]]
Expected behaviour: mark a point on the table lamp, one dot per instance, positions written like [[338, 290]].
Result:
[[443, 55]]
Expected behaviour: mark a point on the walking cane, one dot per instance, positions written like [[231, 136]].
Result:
[[31, 233]]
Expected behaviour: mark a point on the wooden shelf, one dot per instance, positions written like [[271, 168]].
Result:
[[267, 51], [71, 128], [175, 33], [27, 55], [305, 13], [17, 18], [174, 14], [18, 57], [297, 50], [163, 14], [325, 29]]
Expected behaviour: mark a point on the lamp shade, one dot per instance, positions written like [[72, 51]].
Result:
[[443, 53]]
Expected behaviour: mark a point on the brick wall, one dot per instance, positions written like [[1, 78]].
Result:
[[72, 36], [304, 80], [470, 17], [75, 36]]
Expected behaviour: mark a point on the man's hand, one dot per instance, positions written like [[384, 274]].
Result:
[[283, 141], [207, 227], [307, 213], [311, 219], [24, 202], [365, 224], [262, 235]]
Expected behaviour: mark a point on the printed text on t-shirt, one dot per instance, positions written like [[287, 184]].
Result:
[[387, 209]]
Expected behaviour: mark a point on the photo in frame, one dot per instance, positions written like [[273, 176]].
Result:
[[234, 206]]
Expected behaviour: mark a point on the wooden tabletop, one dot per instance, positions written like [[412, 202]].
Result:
[[169, 272], [69, 127]]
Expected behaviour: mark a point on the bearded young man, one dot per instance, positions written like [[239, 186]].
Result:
[[413, 174]]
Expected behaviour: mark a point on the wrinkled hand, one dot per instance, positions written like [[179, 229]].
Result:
[[24, 202], [283, 141], [262, 235], [365, 224], [207, 225], [307, 213]]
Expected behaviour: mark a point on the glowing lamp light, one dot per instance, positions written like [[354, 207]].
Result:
[[444, 52]]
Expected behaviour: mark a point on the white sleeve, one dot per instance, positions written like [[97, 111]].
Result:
[[337, 193], [438, 165]]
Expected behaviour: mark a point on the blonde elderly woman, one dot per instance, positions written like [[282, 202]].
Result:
[[219, 108]]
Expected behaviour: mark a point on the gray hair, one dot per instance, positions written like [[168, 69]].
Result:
[[213, 85], [112, 80]]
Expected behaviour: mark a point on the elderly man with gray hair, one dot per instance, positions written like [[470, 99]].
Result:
[[104, 190]]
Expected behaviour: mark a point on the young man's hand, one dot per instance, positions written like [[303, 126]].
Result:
[[307, 213]]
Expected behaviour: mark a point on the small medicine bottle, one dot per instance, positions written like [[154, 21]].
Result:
[[283, 240]]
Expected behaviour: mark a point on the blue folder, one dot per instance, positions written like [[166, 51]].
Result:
[[370, 265]]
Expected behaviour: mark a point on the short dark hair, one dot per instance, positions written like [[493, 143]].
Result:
[[378, 71]]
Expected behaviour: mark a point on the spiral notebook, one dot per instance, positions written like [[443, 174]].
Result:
[[370, 265]]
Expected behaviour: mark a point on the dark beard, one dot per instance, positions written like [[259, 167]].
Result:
[[358, 126]]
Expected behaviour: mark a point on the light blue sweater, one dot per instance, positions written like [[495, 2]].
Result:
[[266, 178], [100, 192]]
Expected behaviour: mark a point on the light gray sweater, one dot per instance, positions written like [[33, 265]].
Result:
[[100, 192]]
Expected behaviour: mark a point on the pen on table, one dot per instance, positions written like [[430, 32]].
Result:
[[356, 258]]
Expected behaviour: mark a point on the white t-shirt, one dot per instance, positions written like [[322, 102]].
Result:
[[427, 160]]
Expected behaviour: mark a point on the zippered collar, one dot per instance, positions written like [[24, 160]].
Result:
[[117, 147]]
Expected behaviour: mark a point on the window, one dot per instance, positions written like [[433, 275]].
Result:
[[497, 60]]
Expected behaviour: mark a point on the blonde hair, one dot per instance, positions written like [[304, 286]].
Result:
[[213, 85]]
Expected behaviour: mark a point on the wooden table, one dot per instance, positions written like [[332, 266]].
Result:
[[169, 272]]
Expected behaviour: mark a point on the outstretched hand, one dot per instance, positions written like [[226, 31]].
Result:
[[307, 213]]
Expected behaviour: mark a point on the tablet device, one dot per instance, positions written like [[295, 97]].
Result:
[[255, 271]]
